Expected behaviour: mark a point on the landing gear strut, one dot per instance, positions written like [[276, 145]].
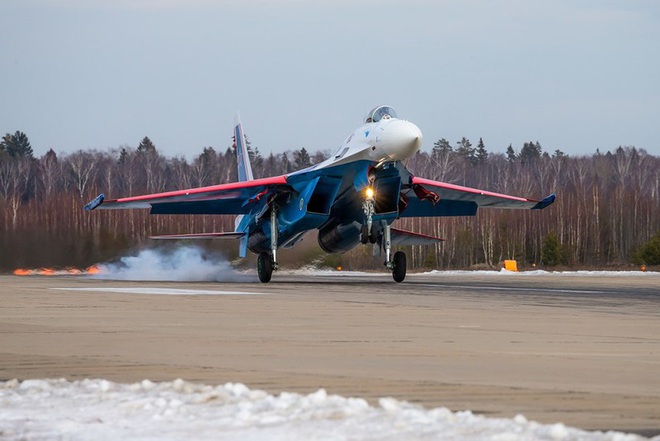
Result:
[[369, 233], [273, 235], [368, 229], [398, 264], [267, 262]]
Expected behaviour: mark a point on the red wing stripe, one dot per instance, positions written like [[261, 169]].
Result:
[[422, 181], [277, 180], [222, 235]]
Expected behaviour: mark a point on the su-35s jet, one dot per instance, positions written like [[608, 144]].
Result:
[[351, 198]]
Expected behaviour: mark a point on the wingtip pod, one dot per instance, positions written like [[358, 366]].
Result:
[[548, 200], [94, 203]]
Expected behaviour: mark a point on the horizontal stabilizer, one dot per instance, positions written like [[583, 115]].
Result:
[[401, 237], [227, 235]]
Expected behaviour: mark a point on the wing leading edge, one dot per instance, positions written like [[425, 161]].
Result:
[[433, 198], [232, 198], [219, 235]]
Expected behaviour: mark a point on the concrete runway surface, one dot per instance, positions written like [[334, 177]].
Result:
[[581, 350]]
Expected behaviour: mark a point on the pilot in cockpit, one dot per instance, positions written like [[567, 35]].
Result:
[[381, 112]]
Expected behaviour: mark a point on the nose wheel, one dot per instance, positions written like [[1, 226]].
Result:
[[367, 236]]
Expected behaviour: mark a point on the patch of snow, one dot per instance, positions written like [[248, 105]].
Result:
[[103, 410], [504, 272]]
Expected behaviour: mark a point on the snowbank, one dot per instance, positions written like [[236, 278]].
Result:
[[103, 410]]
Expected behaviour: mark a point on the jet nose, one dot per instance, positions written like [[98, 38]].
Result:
[[400, 139]]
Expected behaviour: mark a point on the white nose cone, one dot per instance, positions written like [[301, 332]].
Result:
[[400, 139]]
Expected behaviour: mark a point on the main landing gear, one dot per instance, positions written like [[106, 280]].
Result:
[[265, 266], [267, 262], [398, 264]]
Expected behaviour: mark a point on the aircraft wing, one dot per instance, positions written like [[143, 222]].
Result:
[[232, 198], [433, 198], [192, 236], [403, 237]]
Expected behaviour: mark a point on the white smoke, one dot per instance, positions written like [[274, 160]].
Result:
[[180, 264]]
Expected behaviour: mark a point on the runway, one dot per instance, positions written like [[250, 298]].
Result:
[[583, 350]]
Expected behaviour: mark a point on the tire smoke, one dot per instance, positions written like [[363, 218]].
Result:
[[180, 264]]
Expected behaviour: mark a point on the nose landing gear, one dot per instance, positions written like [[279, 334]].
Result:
[[369, 233]]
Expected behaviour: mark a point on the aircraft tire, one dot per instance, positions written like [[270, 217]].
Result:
[[399, 272], [373, 236], [364, 235], [264, 267]]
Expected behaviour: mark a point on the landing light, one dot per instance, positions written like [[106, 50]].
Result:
[[369, 193]]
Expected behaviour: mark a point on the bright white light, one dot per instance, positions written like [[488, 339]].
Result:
[[369, 192]]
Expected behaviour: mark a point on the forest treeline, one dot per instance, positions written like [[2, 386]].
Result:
[[607, 211]]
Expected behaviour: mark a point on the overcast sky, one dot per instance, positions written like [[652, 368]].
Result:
[[575, 75]]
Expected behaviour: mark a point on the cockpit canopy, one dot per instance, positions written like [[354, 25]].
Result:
[[380, 112]]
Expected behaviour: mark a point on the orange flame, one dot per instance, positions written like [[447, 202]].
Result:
[[94, 269], [70, 271]]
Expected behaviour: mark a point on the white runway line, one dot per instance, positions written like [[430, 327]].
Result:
[[508, 288], [165, 291]]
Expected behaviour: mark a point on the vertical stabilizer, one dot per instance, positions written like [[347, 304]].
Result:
[[242, 156], [244, 174]]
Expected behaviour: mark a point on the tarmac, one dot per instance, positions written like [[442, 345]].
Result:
[[582, 350]]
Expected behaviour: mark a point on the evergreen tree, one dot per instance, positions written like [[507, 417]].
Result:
[[146, 146], [551, 250], [271, 166], [511, 154], [123, 155], [530, 152], [481, 155], [17, 145], [253, 153], [649, 253], [301, 159], [207, 156], [465, 150], [441, 147], [286, 164]]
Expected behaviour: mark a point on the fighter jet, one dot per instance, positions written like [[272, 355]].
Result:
[[352, 198]]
